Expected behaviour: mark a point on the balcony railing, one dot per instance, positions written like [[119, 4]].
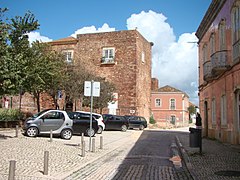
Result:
[[207, 71], [105, 60], [219, 61]]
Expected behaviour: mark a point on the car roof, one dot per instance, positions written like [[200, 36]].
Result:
[[88, 112]]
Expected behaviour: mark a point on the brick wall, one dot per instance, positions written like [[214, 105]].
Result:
[[131, 72]]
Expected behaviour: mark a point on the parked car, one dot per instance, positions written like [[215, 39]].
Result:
[[49, 120], [115, 122], [98, 117], [138, 122], [81, 123]]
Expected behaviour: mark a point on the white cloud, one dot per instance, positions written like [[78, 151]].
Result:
[[33, 36], [174, 62], [93, 29]]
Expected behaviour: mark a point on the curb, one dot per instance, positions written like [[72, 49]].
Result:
[[186, 158]]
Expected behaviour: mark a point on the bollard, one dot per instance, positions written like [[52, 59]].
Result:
[[83, 148], [12, 168], [82, 138], [16, 130], [46, 157], [101, 142], [51, 136], [93, 145]]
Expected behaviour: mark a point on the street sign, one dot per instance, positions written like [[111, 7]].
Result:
[[92, 86], [91, 89]]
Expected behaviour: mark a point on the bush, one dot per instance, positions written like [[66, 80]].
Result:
[[152, 121], [10, 115]]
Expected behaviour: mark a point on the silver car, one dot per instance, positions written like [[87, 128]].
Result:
[[46, 121]]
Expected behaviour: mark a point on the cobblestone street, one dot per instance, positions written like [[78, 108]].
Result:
[[125, 155]]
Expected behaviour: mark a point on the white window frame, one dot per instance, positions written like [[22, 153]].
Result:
[[214, 111], [68, 55], [172, 104], [223, 110], [108, 55], [158, 102]]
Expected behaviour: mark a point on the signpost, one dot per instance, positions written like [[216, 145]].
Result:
[[91, 89]]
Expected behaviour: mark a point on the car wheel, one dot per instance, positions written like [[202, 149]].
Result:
[[124, 128], [100, 129], [90, 133], [66, 134], [32, 132], [141, 127]]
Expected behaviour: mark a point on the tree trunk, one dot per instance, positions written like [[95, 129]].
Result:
[[38, 101]]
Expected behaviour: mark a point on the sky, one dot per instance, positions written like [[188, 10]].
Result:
[[169, 24]]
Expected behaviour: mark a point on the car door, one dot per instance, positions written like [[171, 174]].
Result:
[[134, 122], [108, 120], [118, 122], [52, 120], [80, 122]]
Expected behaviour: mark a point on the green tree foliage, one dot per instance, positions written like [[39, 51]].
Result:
[[152, 120], [106, 95], [191, 110], [74, 87], [15, 53], [44, 71]]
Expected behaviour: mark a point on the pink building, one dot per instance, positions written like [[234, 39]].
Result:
[[219, 71], [170, 107]]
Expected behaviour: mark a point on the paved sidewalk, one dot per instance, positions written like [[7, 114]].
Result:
[[218, 161], [64, 155]]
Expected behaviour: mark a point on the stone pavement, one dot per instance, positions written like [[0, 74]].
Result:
[[216, 157], [218, 161]]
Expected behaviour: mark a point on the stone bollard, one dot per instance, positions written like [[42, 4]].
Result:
[[82, 138], [12, 168], [101, 142], [46, 158], [83, 148], [51, 135], [16, 130], [93, 145]]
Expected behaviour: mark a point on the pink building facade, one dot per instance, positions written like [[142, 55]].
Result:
[[170, 107], [219, 71]]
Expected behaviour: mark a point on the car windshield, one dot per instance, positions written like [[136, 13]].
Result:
[[39, 113]]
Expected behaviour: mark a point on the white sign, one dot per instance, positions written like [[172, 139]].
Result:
[[88, 85]]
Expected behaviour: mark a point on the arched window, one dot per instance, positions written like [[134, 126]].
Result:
[[235, 16], [205, 53], [222, 35], [212, 44]]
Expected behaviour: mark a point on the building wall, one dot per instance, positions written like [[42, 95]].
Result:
[[163, 113], [131, 76], [227, 82]]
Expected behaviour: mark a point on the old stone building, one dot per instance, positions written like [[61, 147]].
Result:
[[123, 58], [219, 71]]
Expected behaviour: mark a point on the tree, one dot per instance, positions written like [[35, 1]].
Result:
[[74, 87], [15, 53], [106, 95], [44, 71], [191, 110]]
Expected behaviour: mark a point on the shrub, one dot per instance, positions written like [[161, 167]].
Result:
[[10, 115], [152, 121]]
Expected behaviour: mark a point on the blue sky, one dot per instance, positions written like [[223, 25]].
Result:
[[59, 18], [170, 24]]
